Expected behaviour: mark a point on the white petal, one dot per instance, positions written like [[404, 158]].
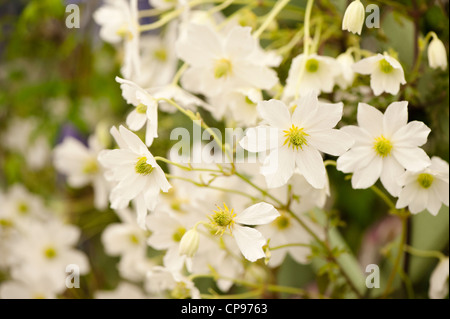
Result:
[[135, 121], [250, 242], [276, 113], [278, 167], [366, 177], [334, 142], [258, 214], [310, 164], [413, 159], [390, 175], [370, 119], [395, 117], [367, 65], [260, 138], [414, 133]]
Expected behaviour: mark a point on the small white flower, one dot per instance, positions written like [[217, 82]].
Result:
[[437, 55], [296, 140], [161, 281], [318, 76], [249, 240], [347, 75], [119, 22], [386, 73], [439, 280], [135, 172], [220, 63], [425, 189], [354, 17], [146, 109], [79, 163], [385, 145]]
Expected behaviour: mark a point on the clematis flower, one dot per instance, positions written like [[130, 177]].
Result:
[[385, 145], [318, 76], [249, 240], [135, 172], [437, 55], [79, 163], [146, 110], [296, 140], [386, 73], [220, 63], [425, 189]]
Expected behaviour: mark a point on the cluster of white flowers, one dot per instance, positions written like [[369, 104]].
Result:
[[240, 213]]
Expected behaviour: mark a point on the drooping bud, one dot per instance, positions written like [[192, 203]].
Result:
[[354, 17], [437, 55], [189, 243]]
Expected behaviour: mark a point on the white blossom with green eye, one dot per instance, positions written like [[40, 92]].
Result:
[[135, 173], [425, 189], [386, 73], [385, 145], [319, 75]]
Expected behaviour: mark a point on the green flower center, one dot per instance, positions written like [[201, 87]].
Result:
[[90, 167], [23, 208], [142, 167], [386, 67], [382, 146], [141, 108], [312, 65], [222, 68], [295, 137], [222, 219], [425, 180], [50, 253], [181, 291], [161, 54], [134, 239], [178, 234], [283, 222]]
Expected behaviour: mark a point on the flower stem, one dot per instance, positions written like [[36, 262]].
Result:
[[272, 15]]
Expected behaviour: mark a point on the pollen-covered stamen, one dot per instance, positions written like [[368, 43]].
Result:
[[141, 108], [385, 66], [312, 65], [50, 253], [90, 166], [142, 167], [222, 68], [382, 146], [425, 180], [295, 137], [222, 219]]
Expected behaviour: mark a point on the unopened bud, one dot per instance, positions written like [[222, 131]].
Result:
[[354, 17], [189, 243]]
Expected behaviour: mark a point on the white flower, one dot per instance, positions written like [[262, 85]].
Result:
[[136, 173], [439, 280], [386, 73], [296, 140], [30, 287], [437, 55], [346, 76], [125, 237], [425, 189], [146, 110], [189, 243], [79, 163], [222, 63], [45, 250], [249, 240], [119, 22], [354, 17], [161, 280], [318, 75], [385, 145]]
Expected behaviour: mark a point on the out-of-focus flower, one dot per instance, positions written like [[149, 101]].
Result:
[[124, 290], [439, 280]]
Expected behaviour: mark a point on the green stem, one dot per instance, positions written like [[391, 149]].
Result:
[[272, 15], [424, 253], [384, 197]]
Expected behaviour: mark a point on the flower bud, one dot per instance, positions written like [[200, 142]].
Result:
[[354, 17], [189, 243], [437, 55]]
